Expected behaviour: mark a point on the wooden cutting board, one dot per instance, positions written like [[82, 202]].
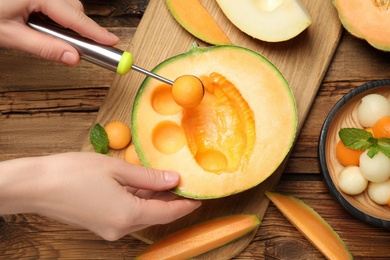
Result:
[[302, 60]]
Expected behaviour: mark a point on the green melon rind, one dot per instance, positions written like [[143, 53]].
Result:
[[195, 51], [303, 206]]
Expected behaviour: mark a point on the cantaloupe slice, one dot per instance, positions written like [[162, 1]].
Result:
[[234, 139], [311, 225], [201, 238], [366, 19], [192, 15]]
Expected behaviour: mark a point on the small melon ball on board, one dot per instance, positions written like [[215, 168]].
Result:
[[118, 133]]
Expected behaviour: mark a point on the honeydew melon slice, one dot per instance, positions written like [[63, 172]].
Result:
[[267, 20]]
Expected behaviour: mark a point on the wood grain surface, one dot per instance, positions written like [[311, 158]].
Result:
[[62, 102], [159, 39]]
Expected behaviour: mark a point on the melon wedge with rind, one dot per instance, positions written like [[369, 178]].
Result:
[[367, 20], [268, 20], [194, 18], [311, 225], [201, 238]]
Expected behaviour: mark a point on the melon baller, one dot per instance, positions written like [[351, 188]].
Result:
[[105, 56]]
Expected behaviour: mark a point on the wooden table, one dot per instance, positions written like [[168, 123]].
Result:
[[48, 108]]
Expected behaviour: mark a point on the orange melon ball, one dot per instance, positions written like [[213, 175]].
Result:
[[381, 128], [347, 156], [119, 134], [131, 155], [187, 91]]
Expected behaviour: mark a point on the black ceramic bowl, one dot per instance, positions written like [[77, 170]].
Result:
[[344, 114]]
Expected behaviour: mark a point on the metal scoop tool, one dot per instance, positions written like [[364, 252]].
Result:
[[106, 56]]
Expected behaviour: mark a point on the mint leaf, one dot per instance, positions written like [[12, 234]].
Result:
[[373, 141], [99, 139], [373, 151], [384, 146], [355, 138], [360, 139]]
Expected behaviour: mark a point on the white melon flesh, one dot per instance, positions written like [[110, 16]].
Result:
[[267, 20]]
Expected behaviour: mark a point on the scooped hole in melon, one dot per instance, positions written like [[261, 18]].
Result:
[[211, 160], [163, 102], [168, 137]]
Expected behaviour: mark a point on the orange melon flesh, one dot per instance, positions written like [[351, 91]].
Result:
[[311, 225], [234, 139], [367, 19], [209, 125], [193, 17], [201, 238]]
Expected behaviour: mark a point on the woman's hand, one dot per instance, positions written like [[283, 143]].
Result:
[[106, 195], [15, 34]]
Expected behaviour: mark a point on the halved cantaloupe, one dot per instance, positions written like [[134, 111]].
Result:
[[201, 238], [366, 19], [311, 225], [193, 17], [234, 139]]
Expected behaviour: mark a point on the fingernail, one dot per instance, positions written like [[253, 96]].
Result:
[[114, 37], [197, 203], [171, 177], [69, 58]]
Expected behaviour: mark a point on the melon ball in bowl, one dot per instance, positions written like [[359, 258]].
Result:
[[361, 186]]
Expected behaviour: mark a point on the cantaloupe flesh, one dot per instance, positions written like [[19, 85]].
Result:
[[367, 19], [265, 92], [193, 16], [201, 238], [221, 127], [311, 225]]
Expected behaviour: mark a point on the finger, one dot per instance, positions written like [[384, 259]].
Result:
[[145, 178], [70, 14], [163, 212], [158, 195]]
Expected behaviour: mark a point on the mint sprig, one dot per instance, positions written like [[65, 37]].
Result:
[[361, 139], [99, 139]]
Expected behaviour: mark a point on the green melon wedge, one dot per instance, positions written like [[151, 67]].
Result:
[[311, 225]]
